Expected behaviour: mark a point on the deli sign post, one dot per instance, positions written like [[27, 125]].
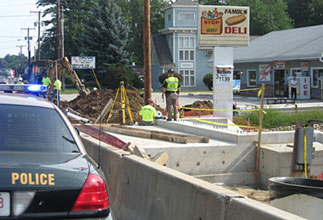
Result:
[[83, 62], [223, 26]]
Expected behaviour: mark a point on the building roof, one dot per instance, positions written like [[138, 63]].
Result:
[[294, 44], [162, 50], [183, 3]]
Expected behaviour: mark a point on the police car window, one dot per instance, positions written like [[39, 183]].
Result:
[[34, 129]]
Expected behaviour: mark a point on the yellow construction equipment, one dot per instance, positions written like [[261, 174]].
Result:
[[124, 104]]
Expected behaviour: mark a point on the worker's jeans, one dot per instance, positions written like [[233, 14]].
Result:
[[146, 123], [171, 101], [53, 96]]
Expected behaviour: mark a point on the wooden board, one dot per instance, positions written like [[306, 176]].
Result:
[[159, 135]]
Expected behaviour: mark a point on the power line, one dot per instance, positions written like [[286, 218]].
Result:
[[28, 38], [14, 36], [14, 16], [39, 13]]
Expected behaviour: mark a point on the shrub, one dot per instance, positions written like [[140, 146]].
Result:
[[117, 73], [275, 118], [208, 81]]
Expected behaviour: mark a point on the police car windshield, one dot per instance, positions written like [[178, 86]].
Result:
[[34, 129]]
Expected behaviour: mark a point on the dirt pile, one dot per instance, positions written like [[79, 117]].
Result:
[[198, 105], [91, 105]]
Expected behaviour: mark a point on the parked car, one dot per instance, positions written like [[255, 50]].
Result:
[[3, 80], [44, 169]]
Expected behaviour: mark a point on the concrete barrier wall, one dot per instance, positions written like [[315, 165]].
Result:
[[199, 160], [142, 190]]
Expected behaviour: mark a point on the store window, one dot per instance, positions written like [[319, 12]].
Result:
[[189, 77], [186, 48], [316, 74], [251, 74], [237, 74], [169, 17], [186, 55], [186, 16], [295, 71]]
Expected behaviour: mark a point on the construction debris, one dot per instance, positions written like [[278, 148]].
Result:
[[160, 158], [105, 111]]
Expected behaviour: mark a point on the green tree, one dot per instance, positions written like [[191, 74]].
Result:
[[300, 11], [119, 72], [75, 12], [266, 15], [105, 36], [133, 12], [316, 17], [13, 62]]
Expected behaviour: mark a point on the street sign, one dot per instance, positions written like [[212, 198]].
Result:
[[83, 62]]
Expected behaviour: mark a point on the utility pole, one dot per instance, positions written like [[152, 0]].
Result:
[[62, 32], [147, 50], [21, 46], [63, 51], [39, 12], [58, 31], [28, 39]]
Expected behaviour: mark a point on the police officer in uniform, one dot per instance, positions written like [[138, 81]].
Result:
[[171, 88]]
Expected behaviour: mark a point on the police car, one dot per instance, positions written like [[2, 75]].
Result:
[[45, 172]]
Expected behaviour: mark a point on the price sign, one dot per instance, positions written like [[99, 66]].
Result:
[[224, 74]]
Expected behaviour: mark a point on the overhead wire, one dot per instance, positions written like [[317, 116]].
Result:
[[14, 16]]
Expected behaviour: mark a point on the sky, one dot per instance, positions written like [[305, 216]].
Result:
[[15, 15]]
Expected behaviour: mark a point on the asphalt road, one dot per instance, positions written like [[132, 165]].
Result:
[[187, 98]]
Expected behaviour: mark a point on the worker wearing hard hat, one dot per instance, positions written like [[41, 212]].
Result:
[[147, 113], [20, 81], [171, 88]]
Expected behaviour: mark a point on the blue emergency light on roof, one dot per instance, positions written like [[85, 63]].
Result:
[[34, 88]]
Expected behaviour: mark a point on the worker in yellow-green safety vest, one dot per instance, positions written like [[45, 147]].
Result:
[[171, 88], [56, 90], [147, 113], [46, 82]]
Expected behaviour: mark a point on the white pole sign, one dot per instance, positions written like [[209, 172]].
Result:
[[223, 82]]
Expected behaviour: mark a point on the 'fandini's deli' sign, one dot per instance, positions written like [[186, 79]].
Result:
[[223, 26]]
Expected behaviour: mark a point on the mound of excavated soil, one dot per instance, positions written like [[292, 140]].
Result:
[[199, 105], [91, 105]]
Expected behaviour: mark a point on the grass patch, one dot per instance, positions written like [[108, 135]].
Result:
[[69, 91], [275, 118]]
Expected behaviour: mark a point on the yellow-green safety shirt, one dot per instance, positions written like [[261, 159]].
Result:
[[148, 113], [57, 85], [46, 81], [172, 84]]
